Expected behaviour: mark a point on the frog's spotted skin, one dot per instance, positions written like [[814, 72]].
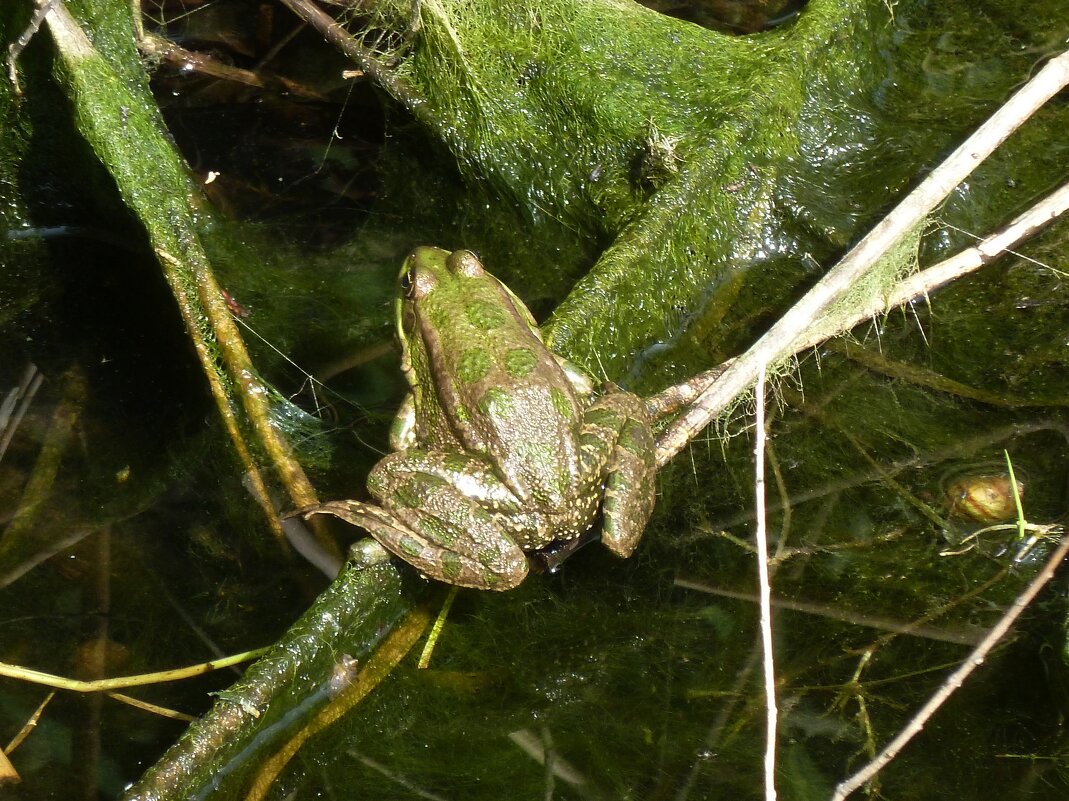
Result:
[[501, 446]]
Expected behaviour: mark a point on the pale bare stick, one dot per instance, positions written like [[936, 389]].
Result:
[[23, 395], [955, 679], [14, 50], [971, 259], [765, 589], [985, 251], [812, 310]]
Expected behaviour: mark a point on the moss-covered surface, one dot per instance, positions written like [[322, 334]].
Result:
[[676, 138]]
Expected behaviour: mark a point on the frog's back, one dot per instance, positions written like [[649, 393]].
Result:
[[512, 402]]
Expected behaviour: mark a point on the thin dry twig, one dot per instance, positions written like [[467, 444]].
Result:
[[141, 679], [969, 260], [25, 538], [155, 709], [30, 724], [23, 394], [913, 628], [369, 64], [785, 336], [14, 50], [179, 58], [955, 679], [771, 711]]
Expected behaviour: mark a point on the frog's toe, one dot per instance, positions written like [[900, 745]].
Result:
[[625, 518], [354, 512]]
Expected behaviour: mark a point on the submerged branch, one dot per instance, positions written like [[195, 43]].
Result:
[[955, 679], [341, 643]]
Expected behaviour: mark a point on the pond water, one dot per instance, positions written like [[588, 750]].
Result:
[[132, 545]]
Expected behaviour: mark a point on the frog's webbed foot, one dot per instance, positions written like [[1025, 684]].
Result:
[[451, 539]]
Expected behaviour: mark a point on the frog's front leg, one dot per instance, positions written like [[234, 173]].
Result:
[[617, 441], [434, 514]]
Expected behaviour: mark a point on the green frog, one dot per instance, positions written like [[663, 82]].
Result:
[[501, 446]]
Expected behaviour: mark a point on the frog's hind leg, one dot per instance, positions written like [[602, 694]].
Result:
[[449, 538]]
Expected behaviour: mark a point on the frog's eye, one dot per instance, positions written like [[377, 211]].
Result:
[[464, 262], [417, 283]]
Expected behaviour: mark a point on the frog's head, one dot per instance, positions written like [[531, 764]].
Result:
[[438, 291], [432, 277]]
